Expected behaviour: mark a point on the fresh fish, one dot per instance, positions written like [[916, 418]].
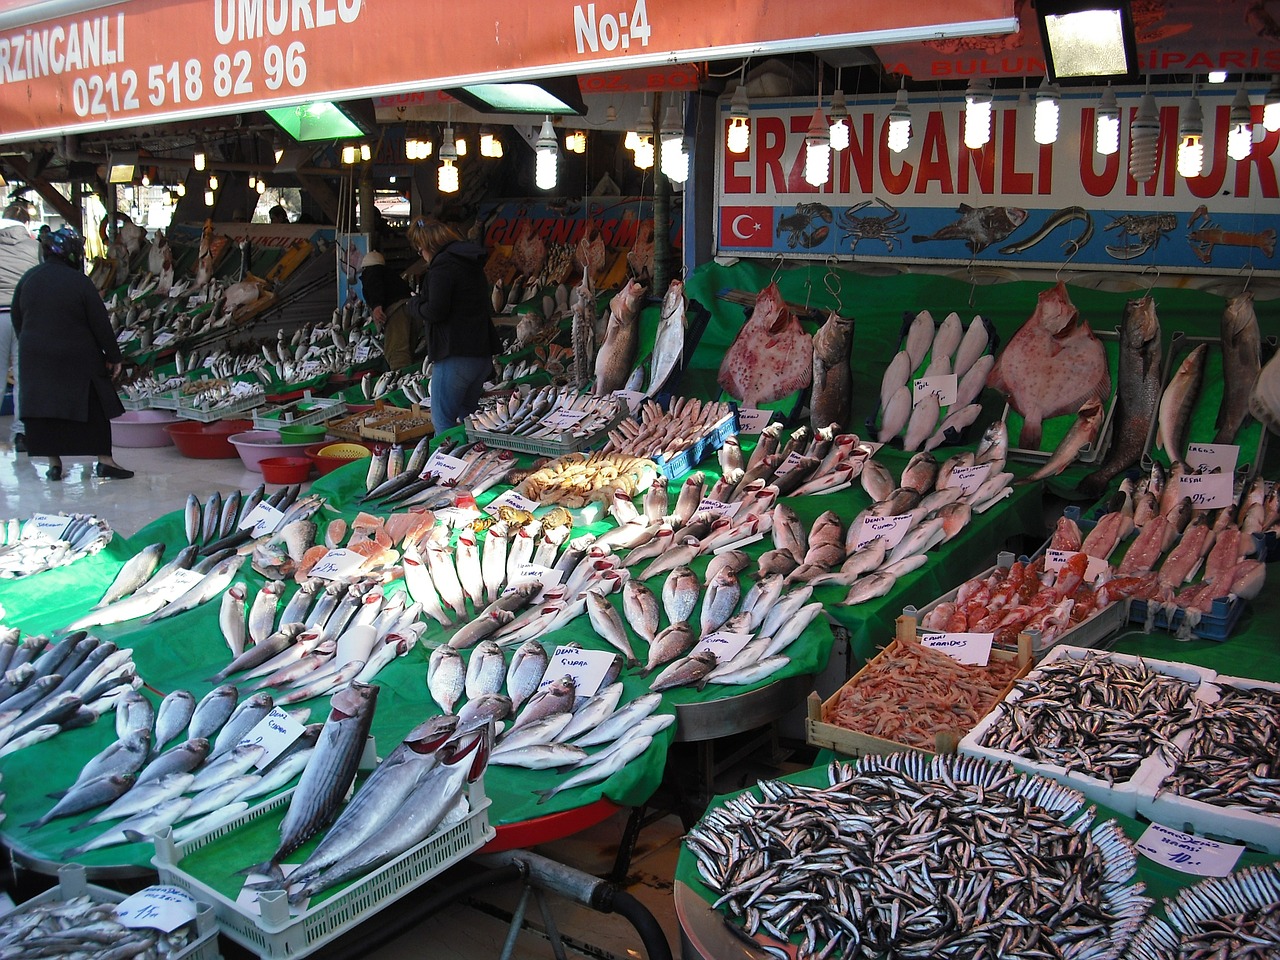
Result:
[[124, 756], [191, 519], [214, 582], [231, 765], [136, 829], [621, 721], [600, 771], [1241, 364], [493, 561], [546, 730], [673, 642], [895, 414], [607, 624], [218, 797], [771, 356], [641, 608], [444, 577], [485, 670], [135, 572], [593, 711], [134, 713], [212, 711], [538, 756], [262, 612], [689, 671], [141, 798], [1176, 403], [668, 344], [466, 555], [976, 339], [895, 376], [231, 618], [680, 594], [953, 425], [1082, 433], [86, 796], [478, 712], [617, 353], [244, 718], [919, 338], [172, 718], [869, 587], [751, 672], [183, 758], [446, 676], [831, 396], [558, 697], [211, 521], [719, 601]]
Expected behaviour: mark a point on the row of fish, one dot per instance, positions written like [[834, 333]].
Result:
[[31, 547], [86, 930], [552, 414], [951, 350], [49, 686], [1228, 918], [655, 432], [419, 480]]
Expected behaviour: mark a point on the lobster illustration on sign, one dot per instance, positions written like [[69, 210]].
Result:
[[885, 229], [1146, 232], [1203, 235], [807, 227]]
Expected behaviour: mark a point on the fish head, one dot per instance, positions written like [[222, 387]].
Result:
[[352, 700], [1055, 312], [1141, 325]]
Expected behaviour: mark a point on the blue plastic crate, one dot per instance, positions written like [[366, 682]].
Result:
[[707, 444], [1217, 624]]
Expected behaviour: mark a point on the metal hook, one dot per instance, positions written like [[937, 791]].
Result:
[[1075, 248], [832, 284], [1245, 288], [1155, 279], [777, 268], [973, 277], [808, 290]]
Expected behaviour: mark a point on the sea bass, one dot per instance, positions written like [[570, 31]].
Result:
[[771, 356], [668, 345], [1241, 346], [621, 340], [832, 393], [1177, 402]]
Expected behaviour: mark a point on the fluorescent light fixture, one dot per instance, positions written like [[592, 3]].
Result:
[[1046, 125], [899, 136], [1271, 106], [447, 174], [208, 198], [180, 189], [576, 141], [1217, 76], [490, 146], [840, 120], [321, 120], [1240, 130], [213, 181], [977, 114], [817, 150], [555, 95], [198, 161], [1144, 140], [545, 156], [1191, 140], [1087, 38], [349, 154], [261, 187], [365, 153], [1107, 124], [644, 153], [460, 146], [739, 138], [675, 162]]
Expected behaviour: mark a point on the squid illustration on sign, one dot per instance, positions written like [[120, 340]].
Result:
[[885, 229], [1070, 246], [1203, 235], [807, 227], [1147, 232]]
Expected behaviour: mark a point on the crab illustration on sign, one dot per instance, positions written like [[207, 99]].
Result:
[[1203, 235], [807, 227], [885, 229], [1146, 232]]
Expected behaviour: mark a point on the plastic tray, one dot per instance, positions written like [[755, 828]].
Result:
[[72, 884], [191, 411], [277, 936], [165, 401], [142, 403], [708, 443], [1121, 796], [1217, 624], [548, 448], [276, 416]]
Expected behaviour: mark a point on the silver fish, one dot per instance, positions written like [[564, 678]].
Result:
[[591, 713], [673, 642], [212, 711], [545, 730], [231, 618], [173, 716], [599, 771], [607, 624], [680, 594], [183, 758], [485, 670], [262, 612], [142, 797], [86, 796], [137, 828], [231, 765], [528, 664], [243, 718], [136, 571]]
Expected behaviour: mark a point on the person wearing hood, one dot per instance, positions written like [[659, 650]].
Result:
[[19, 252], [453, 304], [387, 295]]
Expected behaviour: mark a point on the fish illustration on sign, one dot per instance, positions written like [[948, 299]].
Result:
[[979, 227], [1203, 235]]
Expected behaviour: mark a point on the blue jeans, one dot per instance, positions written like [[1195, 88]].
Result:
[[456, 386]]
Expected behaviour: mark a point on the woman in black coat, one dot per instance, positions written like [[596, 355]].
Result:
[[68, 355]]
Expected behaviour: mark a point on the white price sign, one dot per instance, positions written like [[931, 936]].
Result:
[[275, 731], [160, 907], [753, 421], [52, 525], [587, 667], [1213, 456], [971, 648], [969, 479], [263, 518], [445, 467], [944, 388], [548, 577], [717, 507], [632, 398], [164, 339], [362, 353], [1187, 853], [725, 644], [789, 464], [511, 499], [1208, 491], [563, 418], [177, 583], [892, 529], [1055, 560], [337, 564]]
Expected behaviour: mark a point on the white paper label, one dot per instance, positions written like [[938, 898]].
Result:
[[456, 516], [248, 898], [563, 418], [870, 446], [310, 368], [177, 583], [632, 398], [587, 667], [124, 336], [362, 353], [970, 648], [1208, 490], [160, 907], [789, 464], [535, 573], [275, 731], [164, 339], [1188, 853], [445, 467], [1214, 455], [892, 529], [337, 564], [1056, 559], [944, 388], [753, 421], [52, 525], [969, 479], [717, 507], [510, 499], [263, 518], [725, 644]]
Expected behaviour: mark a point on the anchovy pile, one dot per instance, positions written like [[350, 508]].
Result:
[[86, 930], [25, 549], [47, 687], [1096, 714], [1233, 759], [573, 416], [1222, 918], [907, 856]]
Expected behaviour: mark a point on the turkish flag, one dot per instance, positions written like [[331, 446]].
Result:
[[746, 227]]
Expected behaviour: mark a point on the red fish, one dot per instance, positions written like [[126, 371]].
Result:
[[771, 356]]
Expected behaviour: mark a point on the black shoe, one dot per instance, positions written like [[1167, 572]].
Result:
[[55, 473], [19, 443], [105, 470]]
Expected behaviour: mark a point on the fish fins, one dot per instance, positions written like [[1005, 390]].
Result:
[[133, 836], [268, 868], [544, 795]]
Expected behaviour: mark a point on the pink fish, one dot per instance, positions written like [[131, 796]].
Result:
[[771, 356]]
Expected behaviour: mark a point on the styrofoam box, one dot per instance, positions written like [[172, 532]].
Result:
[[1121, 796], [1233, 824], [71, 884]]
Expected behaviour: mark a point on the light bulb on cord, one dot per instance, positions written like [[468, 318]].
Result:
[[1191, 140], [365, 153], [672, 135], [1046, 125], [213, 181], [839, 131], [1107, 124], [1144, 140], [1240, 129], [545, 157], [817, 150], [181, 189], [977, 114], [644, 153], [676, 167], [1271, 106], [261, 187], [640, 133], [199, 160], [460, 145], [447, 173], [739, 138], [1217, 76], [146, 179], [349, 154], [576, 142], [208, 198], [899, 137]]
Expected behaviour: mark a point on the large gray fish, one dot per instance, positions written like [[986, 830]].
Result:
[[672, 643], [142, 798], [446, 676], [528, 664], [1176, 403], [486, 670], [558, 697], [599, 771], [126, 755], [137, 828], [183, 758], [191, 519], [234, 763], [136, 571], [831, 397], [1137, 393], [617, 354], [86, 796], [172, 718], [331, 769], [212, 711], [607, 623], [262, 612], [217, 580], [243, 718], [668, 345], [689, 671], [1241, 363]]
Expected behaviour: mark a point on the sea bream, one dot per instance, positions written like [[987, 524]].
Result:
[[771, 356]]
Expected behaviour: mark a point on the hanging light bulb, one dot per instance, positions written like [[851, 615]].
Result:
[[261, 187], [739, 121], [1106, 138], [644, 153], [899, 137], [643, 123], [672, 135], [839, 131], [1191, 140], [676, 167], [1217, 76], [213, 181], [490, 146], [413, 149], [1046, 126], [460, 145], [349, 154], [447, 173], [208, 198], [576, 142], [181, 189], [545, 157], [1271, 106], [146, 178], [199, 160], [365, 153], [977, 114], [277, 146], [1240, 130], [252, 181], [1144, 140], [817, 150]]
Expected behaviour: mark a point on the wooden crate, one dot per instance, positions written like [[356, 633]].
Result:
[[820, 733], [396, 425]]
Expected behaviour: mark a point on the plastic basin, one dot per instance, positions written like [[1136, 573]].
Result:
[[302, 432], [206, 441], [254, 446], [328, 457], [285, 469], [142, 428]]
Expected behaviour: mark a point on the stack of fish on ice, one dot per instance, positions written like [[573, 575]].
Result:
[[25, 548], [417, 480]]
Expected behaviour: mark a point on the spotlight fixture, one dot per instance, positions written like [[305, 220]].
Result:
[[1107, 124], [817, 150], [1046, 125], [1191, 140], [840, 120], [545, 157], [1087, 38], [977, 114], [899, 137]]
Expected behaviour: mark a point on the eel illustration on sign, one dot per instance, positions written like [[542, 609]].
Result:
[[1070, 246]]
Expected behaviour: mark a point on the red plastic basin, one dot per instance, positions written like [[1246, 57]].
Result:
[[207, 441], [285, 469]]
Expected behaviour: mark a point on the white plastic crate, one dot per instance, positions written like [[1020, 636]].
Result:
[[275, 935], [275, 416], [72, 884], [189, 410]]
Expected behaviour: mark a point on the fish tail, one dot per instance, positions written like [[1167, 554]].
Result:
[[545, 795], [35, 824]]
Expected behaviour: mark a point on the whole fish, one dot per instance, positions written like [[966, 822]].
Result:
[[172, 718], [1082, 433], [244, 718], [538, 756], [86, 796], [1137, 394], [672, 643], [895, 414], [230, 765], [595, 710], [528, 664], [218, 796], [599, 771], [137, 828], [485, 670], [668, 344], [211, 521], [125, 756], [617, 354], [134, 712], [641, 608], [231, 618], [976, 339], [212, 711], [558, 697], [1176, 403], [136, 571], [141, 798], [191, 519], [183, 758], [771, 356], [680, 594], [214, 582], [607, 623], [478, 712], [831, 396], [262, 612], [1241, 364], [689, 671]]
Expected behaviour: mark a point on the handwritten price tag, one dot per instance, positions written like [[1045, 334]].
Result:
[[162, 908], [587, 667], [177, 583], [563, 418], [275, 731], [969, 479], [263, 518], [717, 507], [753, 421], [1188, 853], [944, 388], [548, 577], [510, 499], [445, 467], [164, 339], [789, 464], [892, 529], [52, 525], [971, 648], [632, 398], [725, 644], [1207, 490], [362, 353], [1055, 560], [337, 564], [1214, 455]]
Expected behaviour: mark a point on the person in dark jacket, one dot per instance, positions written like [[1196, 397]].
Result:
[[387, 295], [68, 355], [453, 303]]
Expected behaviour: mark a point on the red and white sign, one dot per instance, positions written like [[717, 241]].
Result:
[[747, 226]]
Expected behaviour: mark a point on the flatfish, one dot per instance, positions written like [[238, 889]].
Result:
[[771, 356]]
